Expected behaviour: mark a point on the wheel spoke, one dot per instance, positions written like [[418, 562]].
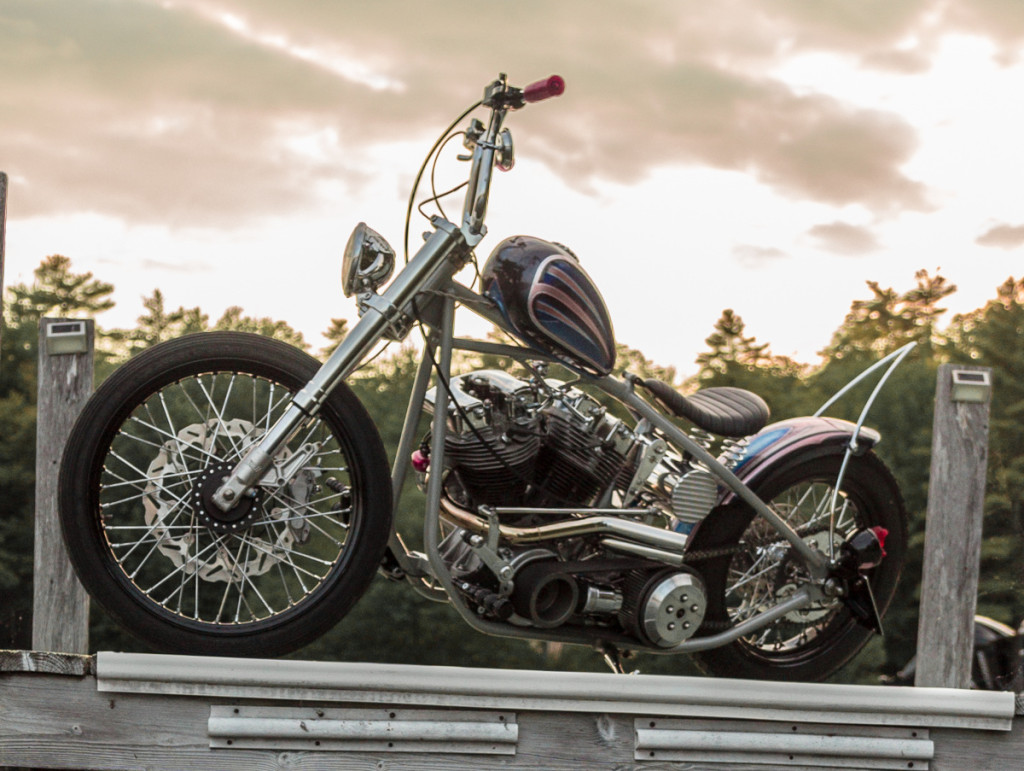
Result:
[[770, 573], [208, 578]]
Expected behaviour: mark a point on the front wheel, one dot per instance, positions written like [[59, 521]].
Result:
[[813, 642], [143, 461]]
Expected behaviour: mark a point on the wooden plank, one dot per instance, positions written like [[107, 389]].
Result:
[[957, 749], [51, 721], [58, 722], [956, 496], [60, 616], [45, 662]]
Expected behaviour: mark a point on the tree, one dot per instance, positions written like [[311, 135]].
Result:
[[631, 360], [335, 334], [233, 319], [57, 291], [890, 319], [158, 324], [731, 348], [738, 360]]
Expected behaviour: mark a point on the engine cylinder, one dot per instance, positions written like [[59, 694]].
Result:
[[496, 473], [574, 464]]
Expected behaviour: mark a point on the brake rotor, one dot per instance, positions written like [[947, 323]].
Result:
[[167, 513]]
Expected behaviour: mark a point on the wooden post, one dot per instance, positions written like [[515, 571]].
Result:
[[952, 546], [3, 238], [60, 615]]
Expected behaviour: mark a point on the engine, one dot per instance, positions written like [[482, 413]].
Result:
[[511, 442], [549, 447]]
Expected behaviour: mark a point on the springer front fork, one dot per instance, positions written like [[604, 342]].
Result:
[[443, 255], [437, 260]]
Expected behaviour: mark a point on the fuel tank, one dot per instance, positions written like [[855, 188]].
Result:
[[550, 302]]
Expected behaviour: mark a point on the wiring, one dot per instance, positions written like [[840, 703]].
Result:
[[419, 175]]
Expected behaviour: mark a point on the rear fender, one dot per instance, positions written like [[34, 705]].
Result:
[[795, 440], [773, 450]]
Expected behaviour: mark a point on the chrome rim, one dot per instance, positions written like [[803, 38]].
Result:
[[766, 573], [277, 550]]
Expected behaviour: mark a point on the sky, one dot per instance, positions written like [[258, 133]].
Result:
[[768, 156]]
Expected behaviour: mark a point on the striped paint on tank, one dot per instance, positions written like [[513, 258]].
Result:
[[564, 305]]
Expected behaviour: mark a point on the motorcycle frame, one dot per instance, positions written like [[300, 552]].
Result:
[[430, 567], [426, 291]]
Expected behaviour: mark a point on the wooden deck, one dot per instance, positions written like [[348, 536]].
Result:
[[135, 711]]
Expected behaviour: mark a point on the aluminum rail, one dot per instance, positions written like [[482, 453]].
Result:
[[558, 691]]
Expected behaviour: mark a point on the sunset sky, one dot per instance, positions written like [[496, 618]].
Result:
[[766, 156]]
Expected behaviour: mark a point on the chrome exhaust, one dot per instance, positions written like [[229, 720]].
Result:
[[595, 522]]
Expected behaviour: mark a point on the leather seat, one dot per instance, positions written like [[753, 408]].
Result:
[[725, 411]]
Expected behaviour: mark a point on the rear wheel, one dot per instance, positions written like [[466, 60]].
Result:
[[815, 641], [136, 484]]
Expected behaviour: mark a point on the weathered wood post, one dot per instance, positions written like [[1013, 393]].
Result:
[[952, 546], [3, 239], [60, 610]]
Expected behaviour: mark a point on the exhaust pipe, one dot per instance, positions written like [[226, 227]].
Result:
[[599, 523]]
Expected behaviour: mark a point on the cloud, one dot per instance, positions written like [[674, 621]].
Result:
[[130, 110], [843, 238], [751, 256], [1001, 21], [805, 146], [180, 110], [1002, 236]]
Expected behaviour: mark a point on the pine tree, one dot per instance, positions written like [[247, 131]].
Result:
[[158, 324], [234, 319], [335, 334], [890, 319], [738, 360]]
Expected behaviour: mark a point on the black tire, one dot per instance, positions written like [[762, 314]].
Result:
[[811, 644], [146, 547]]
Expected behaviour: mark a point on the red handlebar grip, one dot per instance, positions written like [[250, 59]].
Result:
[[543, 89]]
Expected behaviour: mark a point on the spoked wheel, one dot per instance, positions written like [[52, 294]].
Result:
[[815, 641], [144, 460]]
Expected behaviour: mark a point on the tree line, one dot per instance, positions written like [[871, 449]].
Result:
[[394, 624]]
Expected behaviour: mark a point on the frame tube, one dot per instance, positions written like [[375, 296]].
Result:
[[429, 268], [816, 561]]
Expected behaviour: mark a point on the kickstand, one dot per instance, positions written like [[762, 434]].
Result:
[[613, 657]]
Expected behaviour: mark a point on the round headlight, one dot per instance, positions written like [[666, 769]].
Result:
[[369, 261]]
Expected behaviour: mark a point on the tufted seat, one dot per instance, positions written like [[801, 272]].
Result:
[[725, 411]]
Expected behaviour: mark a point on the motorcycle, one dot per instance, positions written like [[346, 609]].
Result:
[[226, 494], [996, 658]]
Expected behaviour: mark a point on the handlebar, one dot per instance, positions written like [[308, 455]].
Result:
[[544, 89], [499, 95]]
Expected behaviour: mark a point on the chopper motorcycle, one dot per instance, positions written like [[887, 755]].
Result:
[[226, 494]]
